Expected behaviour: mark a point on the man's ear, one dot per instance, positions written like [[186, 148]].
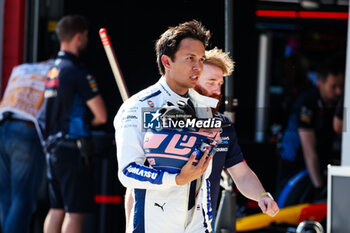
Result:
[[166, 61], [76, 37], [319, 83]]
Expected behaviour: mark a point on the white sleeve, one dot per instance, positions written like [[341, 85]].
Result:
[[130, 154]]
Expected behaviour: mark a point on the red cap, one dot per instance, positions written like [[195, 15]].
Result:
[[103, 30]]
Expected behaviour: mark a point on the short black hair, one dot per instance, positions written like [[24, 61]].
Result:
[[70, 25], [169, 41], [334, 65]]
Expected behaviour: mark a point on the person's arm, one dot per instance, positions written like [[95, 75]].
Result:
[[86, 86], [338, 115], [182, 178], [130, 154], [308, 143], [250, 186], [98, 109], [337, 125], [128, 203]]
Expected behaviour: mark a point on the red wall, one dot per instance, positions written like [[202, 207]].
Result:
[[13, 38]]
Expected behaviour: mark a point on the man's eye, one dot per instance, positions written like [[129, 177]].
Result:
[[202, 59]]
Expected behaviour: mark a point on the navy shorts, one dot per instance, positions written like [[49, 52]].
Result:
[[70, 180]]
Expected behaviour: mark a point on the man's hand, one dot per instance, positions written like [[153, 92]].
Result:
[[191, 172], [268, 206]]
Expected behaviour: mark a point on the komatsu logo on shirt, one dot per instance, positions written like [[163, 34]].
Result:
[[143, 173]]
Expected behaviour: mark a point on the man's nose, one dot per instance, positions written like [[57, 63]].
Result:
[[217, 90], [338, 91], [198, 66]]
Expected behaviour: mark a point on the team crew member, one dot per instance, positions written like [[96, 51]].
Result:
[[22, 161], [69, 92], [161, 198], [338, 115], [229, 154], [308, 139]]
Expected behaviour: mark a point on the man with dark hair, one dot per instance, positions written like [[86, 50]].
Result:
[[169, 41], [308, 138], [228, 153], [66, 29], [70, 92], [164, 201]]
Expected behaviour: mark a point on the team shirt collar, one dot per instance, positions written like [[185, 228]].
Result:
[[67, 55], [171, 95]]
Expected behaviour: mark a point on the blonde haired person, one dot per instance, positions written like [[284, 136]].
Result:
[[229, 155]]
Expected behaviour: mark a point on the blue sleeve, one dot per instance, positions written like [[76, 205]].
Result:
[[234, 154], [86, 85], [306, 109]]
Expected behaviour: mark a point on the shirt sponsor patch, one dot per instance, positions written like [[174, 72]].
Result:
[[53, 73], [305, 115], [221, 149], [52, 78], [225, 140], [144, 174], [92, 83], [129, 118], [150, 103], [50, 93]]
